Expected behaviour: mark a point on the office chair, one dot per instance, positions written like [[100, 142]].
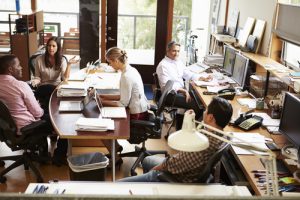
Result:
[[32, 139], [170, 110], [141, 130], [206, 175]]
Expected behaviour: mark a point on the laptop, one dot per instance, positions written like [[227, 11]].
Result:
[[74, 105], [109, 112]]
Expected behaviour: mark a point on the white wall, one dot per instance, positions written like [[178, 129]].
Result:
[[258, 9]]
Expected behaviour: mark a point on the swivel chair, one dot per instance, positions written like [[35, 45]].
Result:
[[206, 175], [168, 109], [33, 139], [141, 130]]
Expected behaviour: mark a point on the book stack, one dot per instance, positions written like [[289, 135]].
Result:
[[72, 90], [94, 124]]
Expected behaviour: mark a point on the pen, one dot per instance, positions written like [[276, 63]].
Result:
[[130, 192], [259, 171], [100, 77], [35, 189], [64, 190]]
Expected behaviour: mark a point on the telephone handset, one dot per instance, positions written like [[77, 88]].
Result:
[[227, 93], [248, 122]]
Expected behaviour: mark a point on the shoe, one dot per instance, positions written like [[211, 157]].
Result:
[[118, 163]]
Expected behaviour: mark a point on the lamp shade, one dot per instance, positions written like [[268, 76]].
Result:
[[188, 139]]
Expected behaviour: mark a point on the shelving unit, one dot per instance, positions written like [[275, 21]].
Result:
[[26, 37]]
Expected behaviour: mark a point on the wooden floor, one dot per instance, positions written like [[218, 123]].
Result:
[[18, 179]]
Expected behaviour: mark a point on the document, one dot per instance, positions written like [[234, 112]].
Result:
[[94, 124], [253, 138], [70, 106]]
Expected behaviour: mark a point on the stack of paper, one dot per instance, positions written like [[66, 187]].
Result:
[[254, 139], [94, 124], [72, 89], [197, 68]]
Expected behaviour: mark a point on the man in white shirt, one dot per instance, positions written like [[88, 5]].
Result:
[[171, 68]]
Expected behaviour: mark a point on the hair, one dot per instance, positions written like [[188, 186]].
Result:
[[116, 53], [171, 44], [221, 109], [57, 55], [6, 62]]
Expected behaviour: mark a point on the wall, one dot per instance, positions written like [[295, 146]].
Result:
[[257, 9]]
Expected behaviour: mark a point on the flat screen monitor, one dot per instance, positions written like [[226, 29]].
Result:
[[240, 68], [229, 57], [289, 122]]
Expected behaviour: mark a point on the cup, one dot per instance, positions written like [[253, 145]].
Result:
[[260, 104]]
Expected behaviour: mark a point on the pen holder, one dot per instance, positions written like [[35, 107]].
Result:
[[260, 104]]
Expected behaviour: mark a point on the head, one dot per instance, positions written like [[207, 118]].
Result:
[[10, 65], [117, 58], [173, 49], [218, 113], [53, 49]]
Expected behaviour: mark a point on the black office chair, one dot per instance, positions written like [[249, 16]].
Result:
[[206, 175], [157, 89], [141, 130], [32, 140]]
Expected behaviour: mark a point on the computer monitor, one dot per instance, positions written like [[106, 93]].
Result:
[[229, 57], [240, 68], [289, 122]]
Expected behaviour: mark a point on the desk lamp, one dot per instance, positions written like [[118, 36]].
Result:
[[192, 139]]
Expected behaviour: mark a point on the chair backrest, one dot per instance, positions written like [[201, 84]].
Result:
[[31, 63], [8, 127], [212, 162], [157, 90], [167, 93]]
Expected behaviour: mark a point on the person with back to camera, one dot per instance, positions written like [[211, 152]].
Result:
[[171, 68], [131, 87], [187, 166], [19, 98]]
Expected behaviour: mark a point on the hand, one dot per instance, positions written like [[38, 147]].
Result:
[[73, 60], [207, 79], [185, 93], [35, 83]]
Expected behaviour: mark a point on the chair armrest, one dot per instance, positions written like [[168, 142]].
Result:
[[153, 108], [166, 177], [31, 127]]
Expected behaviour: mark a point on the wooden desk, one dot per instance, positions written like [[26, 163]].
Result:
[[64, 125], [247, 163]]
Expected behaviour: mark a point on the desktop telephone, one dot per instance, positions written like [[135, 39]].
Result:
[[227, 93], [248, 122]]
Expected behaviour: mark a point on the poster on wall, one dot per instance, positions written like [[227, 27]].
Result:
[[215, 14]]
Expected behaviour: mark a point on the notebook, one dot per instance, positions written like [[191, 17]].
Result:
[[109, 112]]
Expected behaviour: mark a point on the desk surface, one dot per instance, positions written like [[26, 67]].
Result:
[[247, 163], [127, 189], [64, 123]]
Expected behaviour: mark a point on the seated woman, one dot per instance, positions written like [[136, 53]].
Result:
[[50, 69], [131, 88]]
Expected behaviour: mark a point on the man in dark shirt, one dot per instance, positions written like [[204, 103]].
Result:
[[186, 166]]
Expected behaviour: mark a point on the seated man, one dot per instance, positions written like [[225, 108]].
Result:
[[171, 68], [20, 100], [186, 166]]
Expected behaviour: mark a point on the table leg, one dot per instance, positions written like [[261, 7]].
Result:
[[69, 147], [113, 156]]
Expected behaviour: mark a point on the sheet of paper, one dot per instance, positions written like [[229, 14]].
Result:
[[216, 89], [271, 122], [251, 103]]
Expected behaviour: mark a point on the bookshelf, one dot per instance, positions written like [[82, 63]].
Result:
[[25, 37]]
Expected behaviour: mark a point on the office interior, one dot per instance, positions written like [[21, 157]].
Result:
[[254, 43]]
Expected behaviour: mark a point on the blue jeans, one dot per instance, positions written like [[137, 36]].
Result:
[[149, 175]]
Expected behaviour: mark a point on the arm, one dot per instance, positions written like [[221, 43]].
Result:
[[32, 105], [125, 91], [111, 97], [185, 93], [66, 74]]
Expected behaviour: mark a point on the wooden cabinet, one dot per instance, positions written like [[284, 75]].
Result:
[[25, 37]]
